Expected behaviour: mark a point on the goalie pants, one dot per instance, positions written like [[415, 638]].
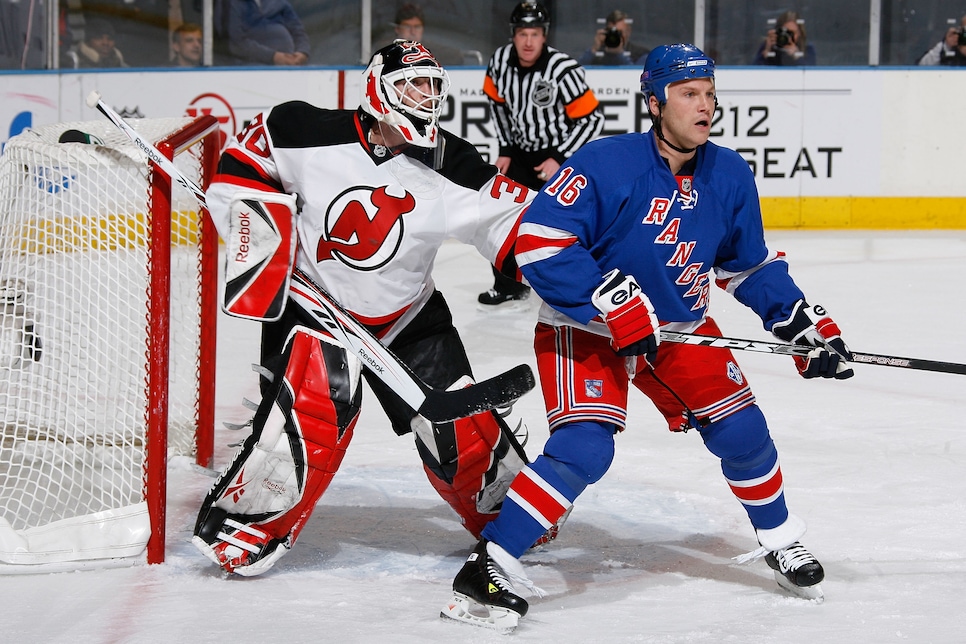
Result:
[[585, 387], [470, 462]]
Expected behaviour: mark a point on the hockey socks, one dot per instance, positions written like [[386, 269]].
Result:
[[749, 462], [576, 455]]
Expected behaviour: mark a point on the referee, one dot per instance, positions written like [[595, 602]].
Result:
[[543, 110]]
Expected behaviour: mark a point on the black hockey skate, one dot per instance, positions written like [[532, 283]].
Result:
[[494, 299], [482, 594], [797, 571]]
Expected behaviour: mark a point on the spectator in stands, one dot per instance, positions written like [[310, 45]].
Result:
[[266, 32], [786, 44], [951, 50], [98, 49], [410, 24], [612, 44], [187, 45]]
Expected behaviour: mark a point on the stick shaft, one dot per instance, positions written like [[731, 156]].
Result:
[[779, 348], [152, 152]]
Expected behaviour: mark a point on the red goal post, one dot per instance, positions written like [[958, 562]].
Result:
[[107, 346]]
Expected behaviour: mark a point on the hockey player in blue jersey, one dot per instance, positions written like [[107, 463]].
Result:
[[619, 244]]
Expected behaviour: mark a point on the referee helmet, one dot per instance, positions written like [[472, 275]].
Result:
[[529, 14]]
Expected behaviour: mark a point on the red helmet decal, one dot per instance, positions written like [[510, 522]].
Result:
[[415, 52], [372, 93]]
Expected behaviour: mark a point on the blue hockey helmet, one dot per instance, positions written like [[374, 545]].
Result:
[[669, 64]]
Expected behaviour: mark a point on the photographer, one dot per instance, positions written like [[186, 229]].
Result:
[[786, 44], [612, 44], [951, 50]]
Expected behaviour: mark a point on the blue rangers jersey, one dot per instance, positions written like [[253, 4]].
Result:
[[616, 204]]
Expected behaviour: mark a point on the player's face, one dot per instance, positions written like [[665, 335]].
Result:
[[688, 113], [420, 92], [529, 42]]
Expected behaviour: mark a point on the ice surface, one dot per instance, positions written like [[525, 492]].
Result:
[[875, 464]]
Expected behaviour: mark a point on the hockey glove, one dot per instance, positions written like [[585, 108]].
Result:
[[629, 316], [811, 326]]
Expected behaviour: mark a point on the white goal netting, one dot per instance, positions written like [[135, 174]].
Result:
[[75, 321]]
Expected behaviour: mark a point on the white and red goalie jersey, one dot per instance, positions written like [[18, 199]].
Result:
[[370, 223]]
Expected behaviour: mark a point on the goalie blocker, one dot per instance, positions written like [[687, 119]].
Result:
[[260, 254]]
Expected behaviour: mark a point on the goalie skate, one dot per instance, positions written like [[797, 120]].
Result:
[[239, 548]]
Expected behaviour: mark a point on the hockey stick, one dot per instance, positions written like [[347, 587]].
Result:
[[435, 405], [779, 348], [94, 100]]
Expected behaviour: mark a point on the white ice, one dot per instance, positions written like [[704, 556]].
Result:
[[875, 464]]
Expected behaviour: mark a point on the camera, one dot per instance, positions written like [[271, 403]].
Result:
[[614, 38], [783, 37], [961, 41]]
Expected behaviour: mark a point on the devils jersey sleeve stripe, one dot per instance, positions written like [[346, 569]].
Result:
[[236, 168], [506, 260]]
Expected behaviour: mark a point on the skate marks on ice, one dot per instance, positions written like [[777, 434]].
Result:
[[392, 526], [395, 526]]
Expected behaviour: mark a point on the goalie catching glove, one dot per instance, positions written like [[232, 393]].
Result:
[[811, 326], [629, 316]]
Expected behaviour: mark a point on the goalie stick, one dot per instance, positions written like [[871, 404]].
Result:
[[780, 348], [435, 405], [163, 162]]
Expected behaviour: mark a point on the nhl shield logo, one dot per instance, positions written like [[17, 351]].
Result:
[[734, 373], [543, 93]]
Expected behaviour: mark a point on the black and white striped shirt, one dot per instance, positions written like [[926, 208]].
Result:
[[546, 106]]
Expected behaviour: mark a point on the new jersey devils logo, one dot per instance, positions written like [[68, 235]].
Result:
[[364, 227]]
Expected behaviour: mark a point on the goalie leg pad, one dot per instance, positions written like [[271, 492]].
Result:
[[256, 509], [471, 463]]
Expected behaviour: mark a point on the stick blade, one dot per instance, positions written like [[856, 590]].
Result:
[[498, 391]]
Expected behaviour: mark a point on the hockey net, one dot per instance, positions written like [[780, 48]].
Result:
[[108, 286]]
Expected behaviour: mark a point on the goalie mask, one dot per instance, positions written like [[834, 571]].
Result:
[[405, 87]]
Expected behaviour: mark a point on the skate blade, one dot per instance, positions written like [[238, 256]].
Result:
[[463, 609], [810, 593]]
